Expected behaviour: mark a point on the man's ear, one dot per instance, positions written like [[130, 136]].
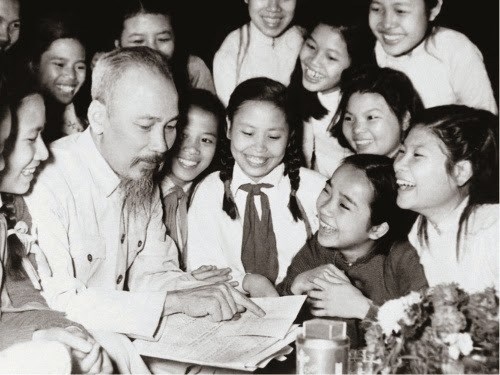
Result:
[[377, 231], [117, 44], [462, 172], [98, 116], [435, 11], [228, 130]]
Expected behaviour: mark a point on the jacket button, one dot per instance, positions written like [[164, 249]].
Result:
[[139, 244], [122, 239], [119, 279], [89, 257]]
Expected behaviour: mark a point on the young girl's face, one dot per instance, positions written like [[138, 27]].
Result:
[[344, 209], [323, 58], [62, 69], [399, 25], [5, 127], [199, 141], [28, 149], [259, 136], [425, 185], [151, 30], [370, 126], [271, 17]]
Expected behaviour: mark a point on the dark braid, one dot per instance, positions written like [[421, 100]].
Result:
[[293, 160], [226, 176], [14, 246]]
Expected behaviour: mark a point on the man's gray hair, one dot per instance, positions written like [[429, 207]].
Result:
[[112, 65]]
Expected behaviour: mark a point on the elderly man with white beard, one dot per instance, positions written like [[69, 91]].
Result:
[[99, 215]]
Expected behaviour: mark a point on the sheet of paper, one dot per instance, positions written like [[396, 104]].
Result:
[[280, 314], [200, 341]]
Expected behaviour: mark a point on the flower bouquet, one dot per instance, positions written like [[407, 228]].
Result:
[[440, 330]]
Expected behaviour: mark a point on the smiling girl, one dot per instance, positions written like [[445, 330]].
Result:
[[376, 110], [195, 154], [356, 261], [267, 46], [25, 314], [443, 64], [57, 60], [334, 44], [152, 23], [447, 171], [256, 213]]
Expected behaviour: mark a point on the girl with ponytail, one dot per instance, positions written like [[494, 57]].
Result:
[[257, 212]]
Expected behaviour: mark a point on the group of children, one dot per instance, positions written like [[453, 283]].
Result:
[[374, 173]]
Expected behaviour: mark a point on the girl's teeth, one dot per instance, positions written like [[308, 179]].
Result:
[[363, 143], [326, 227], [405, 185], [187, 163], [313, 74], [65, 88], [271, 22], [28, 172], [256, 160]]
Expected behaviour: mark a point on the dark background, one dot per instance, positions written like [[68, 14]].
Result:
[[205, 23]]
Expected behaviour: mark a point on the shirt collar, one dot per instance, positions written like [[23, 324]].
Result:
[[167, 184], [331, 100], [239, 177], [450, 222], [104, 176]]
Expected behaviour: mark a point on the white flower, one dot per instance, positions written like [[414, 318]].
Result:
[[391, 312], [458, 343]]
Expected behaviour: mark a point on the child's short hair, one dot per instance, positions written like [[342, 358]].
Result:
[[266, 90], [380, 172], [467, 134], [394, 86]]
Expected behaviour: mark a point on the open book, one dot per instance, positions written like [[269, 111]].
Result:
[[243, 344]]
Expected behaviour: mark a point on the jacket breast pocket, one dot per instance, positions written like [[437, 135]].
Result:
[[88, 256]]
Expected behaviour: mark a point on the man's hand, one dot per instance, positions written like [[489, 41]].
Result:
[[303, 282], [336, 299], [219, 301]]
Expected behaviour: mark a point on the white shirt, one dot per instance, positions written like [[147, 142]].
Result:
[[477, 265], [263, 57], [92, 249], [317, 139], [446, 68], [214, 238]]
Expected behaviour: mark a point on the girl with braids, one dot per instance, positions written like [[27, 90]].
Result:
[[267, 46], [447, 171], [25, 315], [257, 212]]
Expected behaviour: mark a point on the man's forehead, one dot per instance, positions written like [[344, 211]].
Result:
[[140, 87]]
